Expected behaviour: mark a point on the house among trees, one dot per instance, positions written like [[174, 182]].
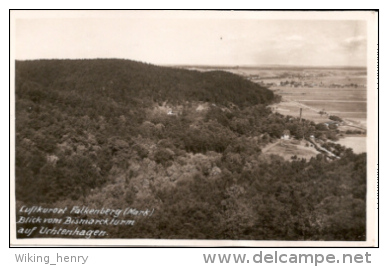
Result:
[[286, 135], [336, 123]]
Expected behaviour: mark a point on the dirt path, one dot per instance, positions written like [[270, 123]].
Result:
[[322, 149]]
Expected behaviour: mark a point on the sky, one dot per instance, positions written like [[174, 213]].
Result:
[[193, 40]]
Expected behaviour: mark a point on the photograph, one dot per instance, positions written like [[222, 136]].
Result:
[[194, 128]]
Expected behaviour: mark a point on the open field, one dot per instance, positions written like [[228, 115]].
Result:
[[331, 79], [289, 148], [345, 79], [320, 93], [337, 106], [293, 109], [311, 110], [347, 103], [342, 75]]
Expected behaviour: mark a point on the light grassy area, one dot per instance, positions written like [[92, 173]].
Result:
[[293, 109], [347, 103], [321, 93], [338, 107], [289, 148], [346, 78]]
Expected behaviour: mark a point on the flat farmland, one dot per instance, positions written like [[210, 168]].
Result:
[[347, 103], [336, 106], [344, 79], [321, 93], [293, 109], [267, 73]]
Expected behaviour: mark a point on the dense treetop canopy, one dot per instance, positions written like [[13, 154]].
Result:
[[90, 132], [127, 81]]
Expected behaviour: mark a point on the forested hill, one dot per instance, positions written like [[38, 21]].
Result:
[[131, 82], [98, 133]]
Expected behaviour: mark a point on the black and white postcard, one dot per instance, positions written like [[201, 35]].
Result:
[[194, 128]]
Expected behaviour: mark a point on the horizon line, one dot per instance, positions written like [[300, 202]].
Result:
[[263, 65], [204, 65]]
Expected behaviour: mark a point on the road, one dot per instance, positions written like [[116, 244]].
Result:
[[320, 149]]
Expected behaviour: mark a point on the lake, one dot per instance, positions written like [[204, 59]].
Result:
[[357, 143]]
